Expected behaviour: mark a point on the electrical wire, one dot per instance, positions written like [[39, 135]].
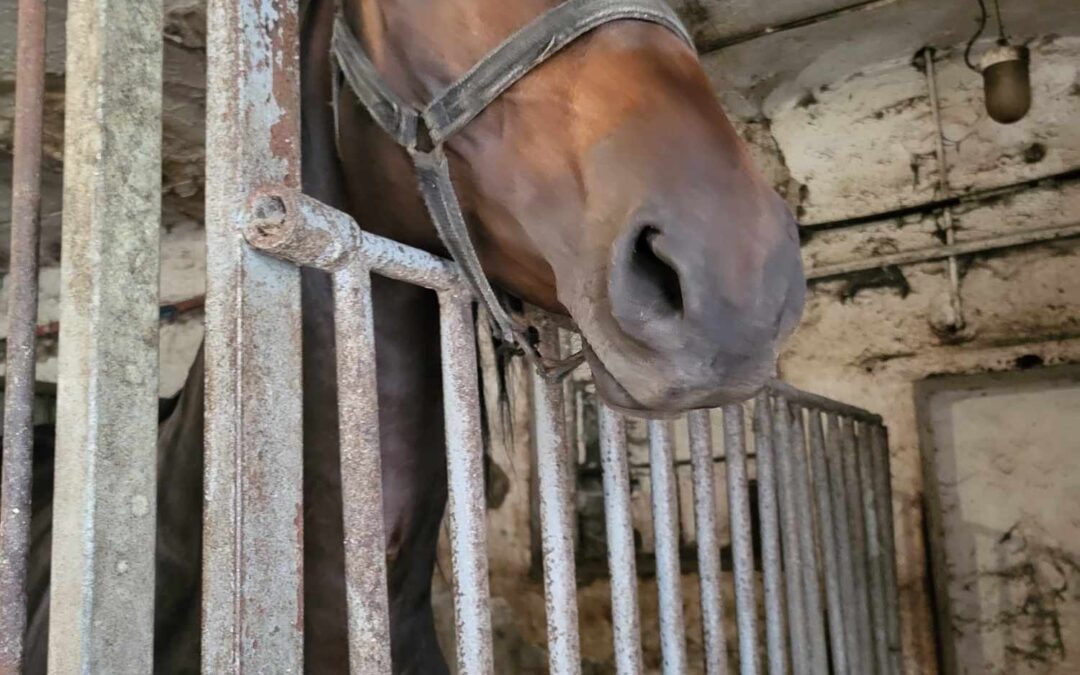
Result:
[[978, 33]]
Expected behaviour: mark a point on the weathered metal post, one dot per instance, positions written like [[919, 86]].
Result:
[[22, 317], [252, 537], [102, 591]]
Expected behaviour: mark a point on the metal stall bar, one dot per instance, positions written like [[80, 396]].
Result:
[[708, 542], [104, 502], [252, 536], [875, 575], [770, 535], [665, 503], [834, 448], [466, 508], [857, 531], [302, 230], [741, 542], [880, 467], [790, 523], [819, 657], [556, 516], [22, 321], [622, 565], [820, 482], [361, 472]]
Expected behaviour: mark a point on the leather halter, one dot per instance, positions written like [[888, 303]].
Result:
[[422, 132]]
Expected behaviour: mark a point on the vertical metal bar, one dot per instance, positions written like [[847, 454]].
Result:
[[857, 530], [770, 535], [835, 448], [102, 582], [819, 657], [875, 576], [556, 515], [741, 542], [253, 519], [665, 503], [620, 543], [466, 509], [820, 483], [880, 454], [789, 532], [708, 542], [361, 472], [22, 319]]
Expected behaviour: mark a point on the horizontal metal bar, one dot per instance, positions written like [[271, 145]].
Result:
[[932, 253], [808, 400], [288, 224], [801, 22], [361, 473], [622, 564]]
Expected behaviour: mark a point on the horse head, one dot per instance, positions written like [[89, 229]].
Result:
[[607, 184]]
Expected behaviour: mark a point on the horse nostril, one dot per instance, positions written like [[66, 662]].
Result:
[[652, 265]]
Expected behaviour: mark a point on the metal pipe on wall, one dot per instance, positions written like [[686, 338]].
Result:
[[22, 286]]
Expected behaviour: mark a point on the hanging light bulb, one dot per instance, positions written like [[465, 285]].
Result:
[[1005, 70]]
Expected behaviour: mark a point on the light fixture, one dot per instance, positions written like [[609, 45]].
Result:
[[1005, 72]]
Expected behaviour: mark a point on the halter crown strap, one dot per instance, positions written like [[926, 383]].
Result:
[[461, 102]]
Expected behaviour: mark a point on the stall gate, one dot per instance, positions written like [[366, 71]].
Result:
[[828, 576]]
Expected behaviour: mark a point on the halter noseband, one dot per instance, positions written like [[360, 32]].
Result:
[[422, 132]]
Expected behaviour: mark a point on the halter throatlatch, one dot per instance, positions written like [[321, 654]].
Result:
[[422, 132]]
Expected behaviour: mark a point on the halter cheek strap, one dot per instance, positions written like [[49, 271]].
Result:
[[422, 132]]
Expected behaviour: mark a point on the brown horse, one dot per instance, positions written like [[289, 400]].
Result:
[[607, 186]]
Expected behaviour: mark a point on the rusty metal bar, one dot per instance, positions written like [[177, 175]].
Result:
[[361, 473], [622, 564], [819, 657], [556, 514], [104, 501], [22, 321], [820, 482], [835, 447], [741, 542], [809, 400], [665, 504], [252, 536], [857, 531], [875, 574], [789, 533], [770, 535], [708, 542], [883, 487], [466, 508]]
